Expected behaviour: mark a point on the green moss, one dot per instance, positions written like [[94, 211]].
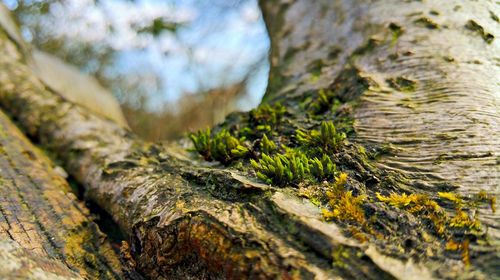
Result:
[[474, 26], [267, 115], [324, 101], [327, 139], [323, 169], [201, 142], [293, 167], [267, 146], [402, 84], [427, 23], [282, 169], [221, 146]]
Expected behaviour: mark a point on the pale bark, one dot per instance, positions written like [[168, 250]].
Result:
[[185, 218]]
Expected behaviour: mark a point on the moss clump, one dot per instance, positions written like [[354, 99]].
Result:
[[474, 26], [427, 22], [267, 146], [309, 162], [267, 115], [323, 169], [326, 100], [222, 146], [402, 84], [327, 139], [282, 170], [293, 167], [201, 141], [481, 197], [344, 206]]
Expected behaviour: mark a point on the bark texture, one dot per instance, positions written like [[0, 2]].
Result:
[[424, 76], [187, 218], [44, 232], [183, 220], [443, 128]]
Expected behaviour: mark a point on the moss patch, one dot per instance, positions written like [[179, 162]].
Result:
[[221, 146]]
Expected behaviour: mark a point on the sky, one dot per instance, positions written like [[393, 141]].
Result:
[[217, 43]]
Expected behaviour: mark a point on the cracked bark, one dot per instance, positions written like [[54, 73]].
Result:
[[185, 218]]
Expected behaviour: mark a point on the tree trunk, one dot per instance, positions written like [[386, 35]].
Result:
[[396, 71]]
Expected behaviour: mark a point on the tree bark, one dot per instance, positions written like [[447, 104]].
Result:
[[44, 232], [445, 131], [184, 217]]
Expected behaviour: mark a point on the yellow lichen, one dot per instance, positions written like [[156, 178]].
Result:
[[397, 200], [455, 198], [452, 245], [358, 234], [463, 220], [418, 204], [465, 252], [482, 196], [414, 202], [344, 206]]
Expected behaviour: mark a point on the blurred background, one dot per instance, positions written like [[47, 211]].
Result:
[[174, 65]]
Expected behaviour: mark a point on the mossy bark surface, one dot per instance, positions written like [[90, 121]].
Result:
[[188, 218]]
